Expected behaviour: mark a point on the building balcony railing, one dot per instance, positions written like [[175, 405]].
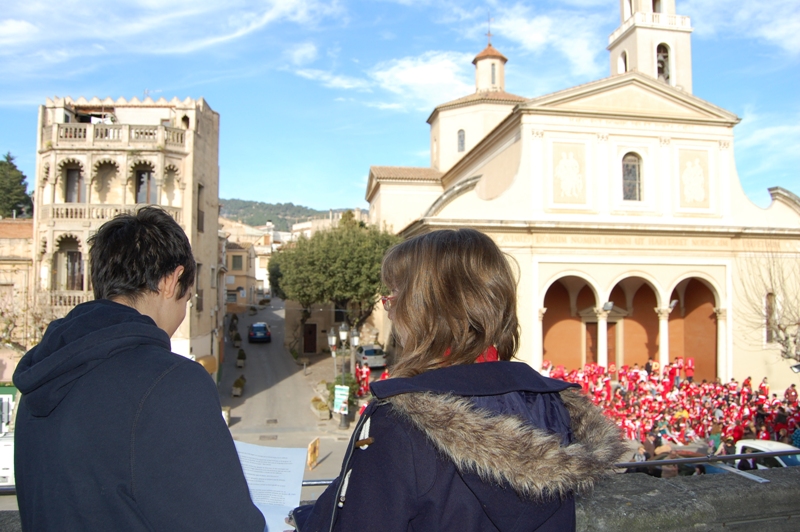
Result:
[[656, 20], [65, 298], [99, 212], [113, 135]]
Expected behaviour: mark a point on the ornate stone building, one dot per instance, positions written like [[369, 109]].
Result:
[[100, 158], [620, 204]]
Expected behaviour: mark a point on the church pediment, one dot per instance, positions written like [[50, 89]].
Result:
[[631, 95]]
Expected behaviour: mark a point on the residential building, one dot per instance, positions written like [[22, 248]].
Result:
[[99, 158], [324, 223], [20, 325], [619, 204], [240, 282]]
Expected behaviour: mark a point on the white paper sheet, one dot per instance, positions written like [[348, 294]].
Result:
[[275, 478]]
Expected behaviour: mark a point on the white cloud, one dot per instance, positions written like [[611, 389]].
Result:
[[333, 81], [766, 145], [577, 36], [424, 81], [12, 31], [776, 22], [303, 54], [144, 26]]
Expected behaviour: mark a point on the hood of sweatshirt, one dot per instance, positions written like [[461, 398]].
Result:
[[73, 346]]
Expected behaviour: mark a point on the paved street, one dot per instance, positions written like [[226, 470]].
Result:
[[274, 409]]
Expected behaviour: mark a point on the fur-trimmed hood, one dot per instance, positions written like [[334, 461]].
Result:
[[503, 448]]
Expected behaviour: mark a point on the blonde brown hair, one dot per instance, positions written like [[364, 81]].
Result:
[[455, 297]]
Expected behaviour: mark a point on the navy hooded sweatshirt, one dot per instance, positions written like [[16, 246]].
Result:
[[116, 433]]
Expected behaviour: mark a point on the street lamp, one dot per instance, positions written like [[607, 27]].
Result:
[[354, 338], [344, 332], [332, 343]]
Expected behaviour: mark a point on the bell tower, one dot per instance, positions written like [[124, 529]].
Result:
[[654, 41]]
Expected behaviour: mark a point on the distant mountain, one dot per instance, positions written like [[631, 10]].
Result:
[[283, 215]]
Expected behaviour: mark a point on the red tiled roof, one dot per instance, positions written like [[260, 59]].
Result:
[[16, 228], [405, 172], [490, 51], [484, 97]]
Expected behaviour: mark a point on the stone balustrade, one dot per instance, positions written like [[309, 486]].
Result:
[[99, 212], [116, 135], [65, 298], [654, 20]]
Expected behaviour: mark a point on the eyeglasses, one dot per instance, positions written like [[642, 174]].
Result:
[[387, 302]]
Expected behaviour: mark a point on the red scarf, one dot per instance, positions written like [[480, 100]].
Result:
[[490, 355]]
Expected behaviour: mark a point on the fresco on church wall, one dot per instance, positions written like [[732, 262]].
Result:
[[694, 179], [569, 173]]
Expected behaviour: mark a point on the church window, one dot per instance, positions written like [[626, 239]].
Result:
[[662, 60], [494, 75], [622, 64], [657, 6], [75, 188], [185, 122], [631, 177], [145, 187], [461, 141]]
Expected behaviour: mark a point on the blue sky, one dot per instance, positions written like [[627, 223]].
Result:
[[313, 92]]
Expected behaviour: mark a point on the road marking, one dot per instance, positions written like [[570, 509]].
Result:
[[268, 437]]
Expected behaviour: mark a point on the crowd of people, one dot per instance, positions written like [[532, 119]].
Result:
[[668, 403]]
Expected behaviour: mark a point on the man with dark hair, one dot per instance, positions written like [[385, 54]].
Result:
[[115, 432]]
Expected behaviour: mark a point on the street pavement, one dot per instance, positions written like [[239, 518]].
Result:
[[275, 407]]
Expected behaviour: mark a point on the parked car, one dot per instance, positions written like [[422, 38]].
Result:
[[766, 446], [372, 355], [259, 332]]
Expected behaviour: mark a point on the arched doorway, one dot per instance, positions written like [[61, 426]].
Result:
[[693, 327], [564, 340]]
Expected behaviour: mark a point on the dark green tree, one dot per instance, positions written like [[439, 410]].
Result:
[[352, 255], [342, 265], [13, 190]]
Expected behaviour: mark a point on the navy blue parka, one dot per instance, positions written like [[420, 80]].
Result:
[[482, 447]]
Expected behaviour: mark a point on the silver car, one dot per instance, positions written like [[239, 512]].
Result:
[[372, 355]]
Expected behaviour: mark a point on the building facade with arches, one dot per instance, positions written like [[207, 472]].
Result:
[[100, 158], [621, 207]]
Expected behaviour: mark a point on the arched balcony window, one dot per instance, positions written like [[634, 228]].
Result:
[[145, 186], [461, 140], [74, 186], [631, 177]]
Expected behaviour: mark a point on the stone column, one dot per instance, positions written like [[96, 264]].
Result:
[[722, 344], [602, 337], [663, 336], [538, 348]]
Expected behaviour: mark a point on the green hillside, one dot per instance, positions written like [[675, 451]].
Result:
[[283, 215]]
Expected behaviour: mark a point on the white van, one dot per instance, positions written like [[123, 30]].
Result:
[[768, 446]]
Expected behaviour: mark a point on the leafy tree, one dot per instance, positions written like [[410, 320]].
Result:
[[352, 255], [342, 265], [13, 189]]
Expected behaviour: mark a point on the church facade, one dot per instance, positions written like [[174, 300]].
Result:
[[619, 203]]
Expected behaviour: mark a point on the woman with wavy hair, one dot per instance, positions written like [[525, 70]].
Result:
[[460, 438]]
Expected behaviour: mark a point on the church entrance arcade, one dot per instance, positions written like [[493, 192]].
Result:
[[631, 325]]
